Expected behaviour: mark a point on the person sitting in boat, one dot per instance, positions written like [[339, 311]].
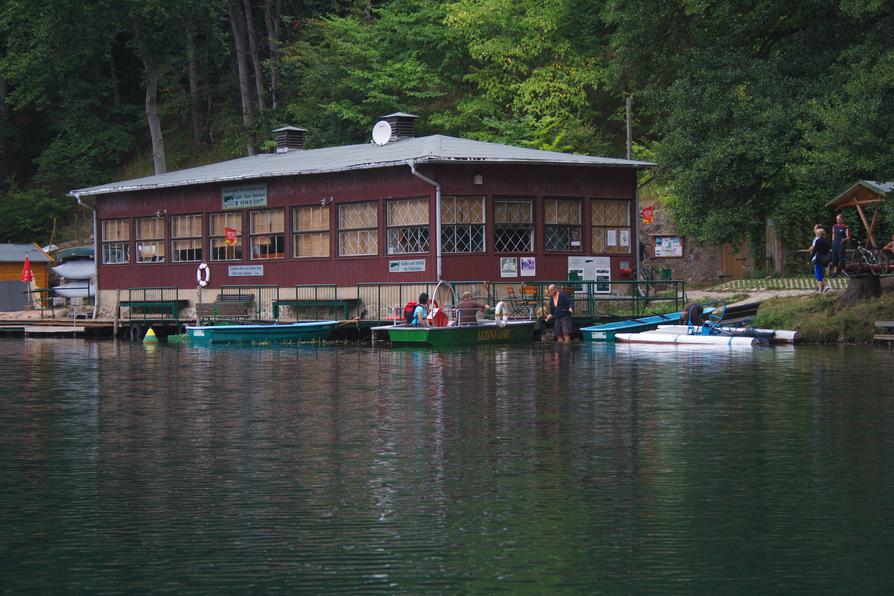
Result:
[[420, 314], [467, 309]]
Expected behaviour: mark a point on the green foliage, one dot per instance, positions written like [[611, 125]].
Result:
[[751, 110], [819, 318], [27, 215]]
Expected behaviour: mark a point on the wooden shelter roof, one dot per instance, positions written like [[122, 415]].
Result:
[[862, 192]]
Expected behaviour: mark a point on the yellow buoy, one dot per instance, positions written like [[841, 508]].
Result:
[[150, 337]]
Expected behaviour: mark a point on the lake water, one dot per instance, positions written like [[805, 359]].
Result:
[[539, 469]]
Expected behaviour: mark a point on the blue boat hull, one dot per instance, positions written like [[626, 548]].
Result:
[[260, 334], [607, 332]]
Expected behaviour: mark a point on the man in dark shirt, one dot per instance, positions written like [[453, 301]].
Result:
[[840, 235], [467, 309], [560, 309]]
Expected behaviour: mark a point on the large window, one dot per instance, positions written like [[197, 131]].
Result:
[[462, 224], [611, 226], [150, 240], [310, 231], [186, 238], [407, 222], [267, 229], [358, 229], [115, 241], [562, 225], [222, 248], [513, 225]]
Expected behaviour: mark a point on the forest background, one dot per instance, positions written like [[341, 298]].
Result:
[[750, 108]]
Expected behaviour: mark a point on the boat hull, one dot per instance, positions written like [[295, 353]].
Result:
[[461, 335], [76, 289], [260, 334], [76, 269], [609, 331], [653, 337]]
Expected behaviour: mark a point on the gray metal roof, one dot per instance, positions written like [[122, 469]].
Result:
[[421, 150], [15, 253]]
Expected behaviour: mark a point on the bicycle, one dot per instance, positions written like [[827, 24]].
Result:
[[866, 261], [648, 274]]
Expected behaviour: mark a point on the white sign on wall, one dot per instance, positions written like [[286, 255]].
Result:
[[596, 269], [238, 197], [406, 266], [245, 271]]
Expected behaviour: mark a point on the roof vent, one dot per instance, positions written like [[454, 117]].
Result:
[[402, 125], [289, 138]]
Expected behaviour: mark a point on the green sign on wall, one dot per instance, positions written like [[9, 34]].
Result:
[[239, 197]]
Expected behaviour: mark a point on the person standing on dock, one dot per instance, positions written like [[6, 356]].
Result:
[[840, 235], [560, 310], [819, 256]]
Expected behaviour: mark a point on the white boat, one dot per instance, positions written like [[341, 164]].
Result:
[[774, 335], [76, 269], [657, 337], [81, 288]]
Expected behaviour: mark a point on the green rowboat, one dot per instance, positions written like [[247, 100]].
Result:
[[206, 335], [482, 333]]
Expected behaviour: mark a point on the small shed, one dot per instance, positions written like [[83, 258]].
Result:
[[12, 260], [860, 196]]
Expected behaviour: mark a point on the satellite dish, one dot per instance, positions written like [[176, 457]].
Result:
[[381, 133]]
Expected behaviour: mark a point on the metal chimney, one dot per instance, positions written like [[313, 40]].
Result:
[[402, 125], [289, 138]]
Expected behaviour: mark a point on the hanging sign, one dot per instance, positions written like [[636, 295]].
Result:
[[230, 236], [647, 214], [238, 197], [668, 246]]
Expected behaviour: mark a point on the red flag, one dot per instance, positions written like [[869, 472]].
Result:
[[27, 275], [229, 235], [647, 213]]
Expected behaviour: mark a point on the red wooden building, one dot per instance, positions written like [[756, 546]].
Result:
[[412, 209]]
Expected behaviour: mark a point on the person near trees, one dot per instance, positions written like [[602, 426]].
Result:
[[560, 310], [841, 234], [819, 256], [889, 247]]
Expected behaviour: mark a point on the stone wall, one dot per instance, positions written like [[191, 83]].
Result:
[[700, 262]]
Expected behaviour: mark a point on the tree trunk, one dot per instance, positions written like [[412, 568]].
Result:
[[113, 79], [158, 142], [861, 287], [255, 58], [272, 15], [194, 91], [236, 21], [4, 115]]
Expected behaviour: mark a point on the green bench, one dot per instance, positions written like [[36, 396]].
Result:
[[164, 309]]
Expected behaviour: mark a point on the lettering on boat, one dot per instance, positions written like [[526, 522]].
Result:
[[199, 333], [490, 334]]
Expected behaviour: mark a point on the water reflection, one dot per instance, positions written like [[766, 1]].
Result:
[[537, 468]]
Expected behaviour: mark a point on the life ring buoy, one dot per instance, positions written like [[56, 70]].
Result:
[[203, 274]]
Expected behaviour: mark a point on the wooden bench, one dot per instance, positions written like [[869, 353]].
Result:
[[888, 331], [344, 304], [227, 306]]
